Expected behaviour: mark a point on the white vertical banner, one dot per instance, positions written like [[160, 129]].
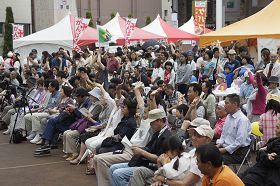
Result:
[[79, 27], [18, 31], [129, 27]]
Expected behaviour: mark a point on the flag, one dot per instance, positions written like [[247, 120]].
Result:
[[79, 27], [18, 31], [129, 27], [103, 35]]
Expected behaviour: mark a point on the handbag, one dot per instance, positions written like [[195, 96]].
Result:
[[17, 136], [109, 142]]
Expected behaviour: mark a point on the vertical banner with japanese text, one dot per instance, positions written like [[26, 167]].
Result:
[[200, 16], [79, 27], [18, 31], [129, 27]]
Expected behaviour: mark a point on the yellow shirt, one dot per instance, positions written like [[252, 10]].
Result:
[[223, 177]]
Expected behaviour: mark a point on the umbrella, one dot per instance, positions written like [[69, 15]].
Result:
[[150, 43]]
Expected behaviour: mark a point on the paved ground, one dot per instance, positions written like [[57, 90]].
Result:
[[19, 167]]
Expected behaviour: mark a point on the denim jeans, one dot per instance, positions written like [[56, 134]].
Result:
[[121, 174]]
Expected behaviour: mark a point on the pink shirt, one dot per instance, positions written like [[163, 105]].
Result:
[[259, 104], [219, 127]]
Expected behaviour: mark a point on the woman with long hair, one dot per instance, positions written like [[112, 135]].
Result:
[[209, 102], [210, 66], [269, 119]]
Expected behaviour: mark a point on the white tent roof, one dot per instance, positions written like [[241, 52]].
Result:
[[58, 34], [155, 27], [113, 26], [188, 26]]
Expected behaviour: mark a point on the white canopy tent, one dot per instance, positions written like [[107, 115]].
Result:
[[190, 27], [49, 39]]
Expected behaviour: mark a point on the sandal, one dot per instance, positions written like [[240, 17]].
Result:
[[76, 161], [72, 157]]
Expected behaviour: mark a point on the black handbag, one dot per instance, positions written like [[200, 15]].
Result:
[[109, 142], [17, 136]]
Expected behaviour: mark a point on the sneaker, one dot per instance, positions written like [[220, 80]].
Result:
[[7, 132], [43, 153], [31, 135], [36, 139], [43, 148], [40, 142]]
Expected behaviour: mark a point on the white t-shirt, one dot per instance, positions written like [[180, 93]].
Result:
[[187, 163], [17, 66]]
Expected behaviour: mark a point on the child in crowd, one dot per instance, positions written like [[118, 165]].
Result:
[[229, 74]]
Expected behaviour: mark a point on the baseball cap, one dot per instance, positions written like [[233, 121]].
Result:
[[199, 121], [204, 130], [155, 114], [221, 75], [231, 51]]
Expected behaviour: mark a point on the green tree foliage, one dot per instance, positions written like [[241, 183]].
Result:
[[130, 16], [89, 16], [148, 20], [8, 32]]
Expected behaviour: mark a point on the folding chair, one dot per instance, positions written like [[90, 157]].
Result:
[[247, 157]]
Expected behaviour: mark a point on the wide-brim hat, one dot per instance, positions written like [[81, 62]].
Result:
[[273, 79], [204, 130], [155, 114], [199, 121]]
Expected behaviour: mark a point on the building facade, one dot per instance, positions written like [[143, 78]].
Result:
[[48, 12], [20, 17], [235, 10], [140, 9]]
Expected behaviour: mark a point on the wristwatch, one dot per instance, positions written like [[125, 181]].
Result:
[[165, 180]]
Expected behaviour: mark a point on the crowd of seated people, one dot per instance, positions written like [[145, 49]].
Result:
[[148, 116]]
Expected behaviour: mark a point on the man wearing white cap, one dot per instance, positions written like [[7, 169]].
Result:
[[200, 135], [232, 61], [147, 156]]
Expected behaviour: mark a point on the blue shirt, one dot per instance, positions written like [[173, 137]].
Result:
[[236, 132], [53, 101], [246, 90], [229, 78], [207, 67]]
